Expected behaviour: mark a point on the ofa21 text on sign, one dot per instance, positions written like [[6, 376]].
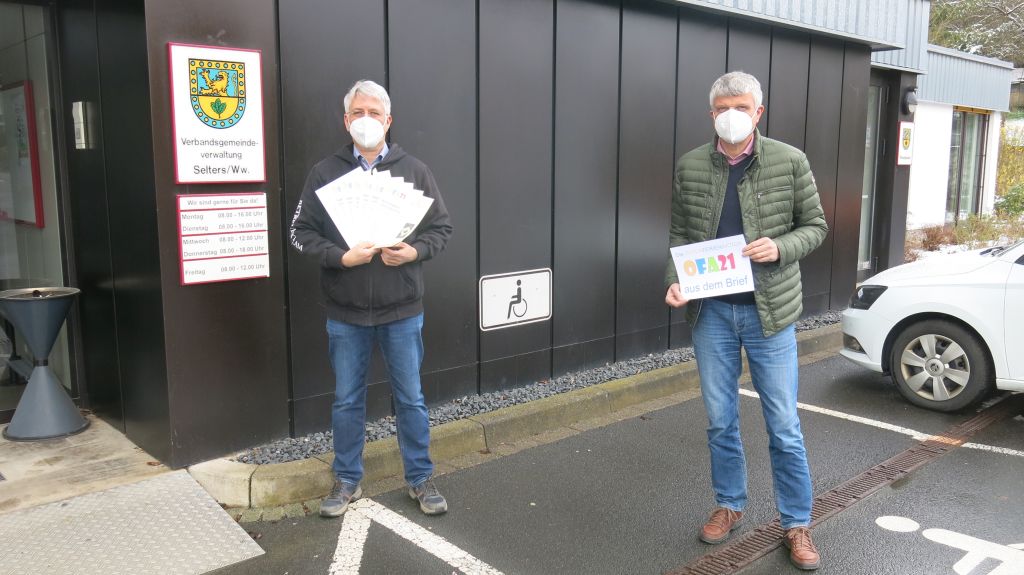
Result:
[[713, 268]]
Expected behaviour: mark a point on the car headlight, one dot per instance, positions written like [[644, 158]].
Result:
[[866, 295]]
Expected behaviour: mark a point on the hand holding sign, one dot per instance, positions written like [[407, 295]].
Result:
[[398, 254], [717, 267], [762, 250], [674, 296]]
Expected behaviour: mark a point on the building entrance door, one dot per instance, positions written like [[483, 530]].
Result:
[[866, 257], [31, 235]]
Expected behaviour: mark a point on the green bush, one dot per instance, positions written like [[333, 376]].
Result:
[[1010, 172], [1011, 203], [972, 232], [978, 231]]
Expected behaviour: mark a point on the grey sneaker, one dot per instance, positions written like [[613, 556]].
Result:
[[341, 495], [431, 500]]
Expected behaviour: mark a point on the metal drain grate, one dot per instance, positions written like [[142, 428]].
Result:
[[766, 538]]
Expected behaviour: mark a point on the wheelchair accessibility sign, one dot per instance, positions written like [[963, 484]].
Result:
[[515, 298]]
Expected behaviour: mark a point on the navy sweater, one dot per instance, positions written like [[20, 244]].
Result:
[[731, 223]]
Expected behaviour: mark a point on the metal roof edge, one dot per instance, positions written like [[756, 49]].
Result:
[[876, 44], [968, 56], [885, 66]]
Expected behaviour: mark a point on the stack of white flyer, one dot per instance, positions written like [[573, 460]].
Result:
[[373, 207]]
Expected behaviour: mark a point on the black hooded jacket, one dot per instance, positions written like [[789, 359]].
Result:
[[373, 293]]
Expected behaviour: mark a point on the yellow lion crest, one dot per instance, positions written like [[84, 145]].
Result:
[[217, 90]]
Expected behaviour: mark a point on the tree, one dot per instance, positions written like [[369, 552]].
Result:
[[993, 28]]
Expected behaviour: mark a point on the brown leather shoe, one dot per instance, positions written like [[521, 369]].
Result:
[[802, 551], [719, 525]]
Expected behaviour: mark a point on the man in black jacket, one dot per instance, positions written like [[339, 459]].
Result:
[[373, 295]]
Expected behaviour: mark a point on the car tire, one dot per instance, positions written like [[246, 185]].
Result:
[[940, 365]]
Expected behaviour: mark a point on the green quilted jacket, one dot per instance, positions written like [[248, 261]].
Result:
[[778, 199]]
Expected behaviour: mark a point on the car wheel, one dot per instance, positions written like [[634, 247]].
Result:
[[939, 365]]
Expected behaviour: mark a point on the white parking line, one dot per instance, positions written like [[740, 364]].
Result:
[[348, 556], [888, 426], [356, 526], [994, 449]]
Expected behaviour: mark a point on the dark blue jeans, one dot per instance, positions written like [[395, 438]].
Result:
[[720, 332], [350, 349]]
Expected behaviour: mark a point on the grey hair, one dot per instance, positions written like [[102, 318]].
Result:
[[736, 84], [371, 89]]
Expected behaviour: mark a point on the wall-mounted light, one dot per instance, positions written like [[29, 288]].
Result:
[[910, 100]]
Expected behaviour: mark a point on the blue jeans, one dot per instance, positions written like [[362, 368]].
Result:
[[350, 349], [720, 331]]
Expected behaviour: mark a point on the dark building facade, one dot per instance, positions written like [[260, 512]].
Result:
[[552, 128]]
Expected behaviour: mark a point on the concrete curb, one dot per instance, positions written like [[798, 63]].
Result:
[[239, 485]]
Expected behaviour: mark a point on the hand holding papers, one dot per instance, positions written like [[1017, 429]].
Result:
[[713, 268], [373, 207]]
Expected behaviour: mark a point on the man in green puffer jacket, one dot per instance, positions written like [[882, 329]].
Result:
[[744, 183]]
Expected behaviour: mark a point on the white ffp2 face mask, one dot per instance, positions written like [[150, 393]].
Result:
[[733, 126], [366, 132]]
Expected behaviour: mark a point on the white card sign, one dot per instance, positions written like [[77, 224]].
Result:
[[217, 111], [713, 268]]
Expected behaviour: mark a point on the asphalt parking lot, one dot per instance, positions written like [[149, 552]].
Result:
[[629, 497]]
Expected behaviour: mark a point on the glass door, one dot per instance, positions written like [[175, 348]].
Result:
[[953, 187], [865, 251], [31, 253]]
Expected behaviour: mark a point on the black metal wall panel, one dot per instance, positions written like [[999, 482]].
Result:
[[326, 47], [431, 72], [892, 216], [893, 181], [790, 56], [850, 172], [750, 50], [790, 72], [84, 173], [516, 56], [586, 147], [227, 372], [645, 176], [825, 73], [703, 47], [131, 205]]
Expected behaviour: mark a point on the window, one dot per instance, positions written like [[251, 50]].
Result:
[[966, 162], [31, 254]]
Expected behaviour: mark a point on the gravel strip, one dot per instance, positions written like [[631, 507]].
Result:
[[292, 449]]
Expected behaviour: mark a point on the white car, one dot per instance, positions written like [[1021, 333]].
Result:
[[949, 328]]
